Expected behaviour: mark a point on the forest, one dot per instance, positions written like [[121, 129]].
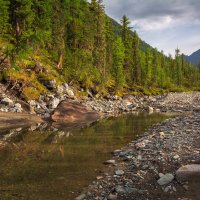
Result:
[[76, 42]]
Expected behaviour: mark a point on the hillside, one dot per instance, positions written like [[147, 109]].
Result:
[[194, 58], [117, 29], [47, 43]]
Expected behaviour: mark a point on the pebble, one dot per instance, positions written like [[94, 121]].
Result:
[[80, 197], [165, 179], [112, 197], [119, 172], [110, 162]]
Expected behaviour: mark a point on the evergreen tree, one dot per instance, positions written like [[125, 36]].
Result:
[[21, 19], [126, 38], [178, 67], [59, 24], [100, 45], [136, 73], [4, 17], [119, 55]]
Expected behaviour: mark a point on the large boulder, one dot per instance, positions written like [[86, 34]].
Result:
[[188, 172], [69, 111]]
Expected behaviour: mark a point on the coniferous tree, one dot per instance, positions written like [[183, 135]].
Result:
[[178, 67], [59, 24], [119, 55], [4, 17], [136, 59], [21, 19], [126, 38]]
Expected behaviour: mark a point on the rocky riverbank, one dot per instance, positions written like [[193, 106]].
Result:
[[172, 102], [146, 168], [110, 105]]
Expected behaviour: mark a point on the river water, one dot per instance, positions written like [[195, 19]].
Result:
[[51, 164]]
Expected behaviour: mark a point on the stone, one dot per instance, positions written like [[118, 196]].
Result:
[[176, 157], [32, 103], [110, 162], [120, 189], [54, 103], [68, 90], [70, 93], [142, 144], [80, 197], [188, 172], [49, 84], [165, 179], [7, 101], [18, 107], [112, 197], [60, 89], [150, 110], [162, 135], [119, 172], [69, 111]]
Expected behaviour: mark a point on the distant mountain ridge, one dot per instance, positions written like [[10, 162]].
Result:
[[194, 58]]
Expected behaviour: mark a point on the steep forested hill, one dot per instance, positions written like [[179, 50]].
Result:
[[117, 29], [194, 58], [76, 42]]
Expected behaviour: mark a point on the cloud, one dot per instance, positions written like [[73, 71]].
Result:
[[142, 9], [161, 23]]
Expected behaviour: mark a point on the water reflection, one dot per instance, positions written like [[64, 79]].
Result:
[[54, 162]]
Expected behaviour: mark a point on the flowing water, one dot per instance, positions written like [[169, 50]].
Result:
[[49, 164]]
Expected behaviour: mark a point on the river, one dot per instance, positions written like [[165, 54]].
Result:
[[47, 163]]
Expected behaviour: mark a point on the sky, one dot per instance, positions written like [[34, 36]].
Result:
[[164, 24]]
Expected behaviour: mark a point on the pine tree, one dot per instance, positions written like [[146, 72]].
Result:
[[126, 38], [118, 56], [155, 66], [100, 37], [148, 67], [59, 24], [42, 24], [136, 73], [178, 67], [21, 19], [4, 17]]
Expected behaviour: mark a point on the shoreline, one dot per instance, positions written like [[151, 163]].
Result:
[[135, 169], [162, 149], [159, 151]]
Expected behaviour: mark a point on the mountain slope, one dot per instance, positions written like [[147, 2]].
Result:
[[117, 29], [194, 58]]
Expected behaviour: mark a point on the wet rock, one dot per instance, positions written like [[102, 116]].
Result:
[[188, 172], [165, 179]]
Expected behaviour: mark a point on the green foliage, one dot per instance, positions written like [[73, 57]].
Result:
[[75, 41], [118, 56]]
